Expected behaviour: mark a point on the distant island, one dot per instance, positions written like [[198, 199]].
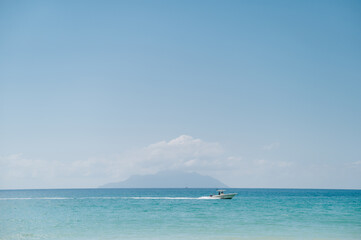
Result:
[[168, 179]]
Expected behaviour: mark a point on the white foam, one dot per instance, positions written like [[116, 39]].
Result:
[[206, 197], [138, 198], [146, 198], [166, 198]]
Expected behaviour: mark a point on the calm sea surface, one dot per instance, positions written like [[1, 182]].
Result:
[[179, 214]]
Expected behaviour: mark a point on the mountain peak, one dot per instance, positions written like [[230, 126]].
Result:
[[168, 179]]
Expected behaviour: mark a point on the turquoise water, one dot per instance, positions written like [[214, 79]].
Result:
[[179, 214]]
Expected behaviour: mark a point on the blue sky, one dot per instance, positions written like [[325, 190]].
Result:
[[273, 86]]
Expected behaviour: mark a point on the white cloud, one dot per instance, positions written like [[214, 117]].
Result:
[[182, 153]]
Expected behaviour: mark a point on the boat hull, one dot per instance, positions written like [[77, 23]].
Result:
[[224, 196]]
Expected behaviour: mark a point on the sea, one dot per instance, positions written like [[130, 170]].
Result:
[[253, 214]]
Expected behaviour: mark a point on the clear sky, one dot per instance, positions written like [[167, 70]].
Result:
[[254, 93]]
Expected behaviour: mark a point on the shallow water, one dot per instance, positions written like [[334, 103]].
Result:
[[179, 214]]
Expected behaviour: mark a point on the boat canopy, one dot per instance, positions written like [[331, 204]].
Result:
[[221, 190]]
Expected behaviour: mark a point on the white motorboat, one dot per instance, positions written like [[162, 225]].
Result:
[[222, 195]]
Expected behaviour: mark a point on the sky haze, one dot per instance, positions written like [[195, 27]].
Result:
[[253, 93]]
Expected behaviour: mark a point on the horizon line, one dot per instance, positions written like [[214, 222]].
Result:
[[269, 188]]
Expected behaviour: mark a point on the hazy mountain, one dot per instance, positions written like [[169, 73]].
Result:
[[168, 179]]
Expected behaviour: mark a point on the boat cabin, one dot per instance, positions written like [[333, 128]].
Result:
[[220, 192]]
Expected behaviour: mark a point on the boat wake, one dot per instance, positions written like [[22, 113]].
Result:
[[172, 198], [206, 197], [136, 198]]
